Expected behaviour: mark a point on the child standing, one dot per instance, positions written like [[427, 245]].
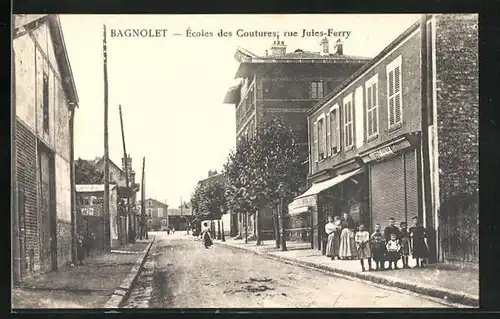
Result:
[[405, 244], [363, 246], [393, 248], [378, 248]]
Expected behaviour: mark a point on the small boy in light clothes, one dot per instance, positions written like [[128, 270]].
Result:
[[393, 248], [363, 247]]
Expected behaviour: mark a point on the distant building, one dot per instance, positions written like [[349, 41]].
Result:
[[44, 99], [180, 218], [156, 214]]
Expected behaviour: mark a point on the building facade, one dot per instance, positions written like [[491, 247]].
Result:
[[91, 223], [381, 143], [156, 214], [285, 85], [44, 99]]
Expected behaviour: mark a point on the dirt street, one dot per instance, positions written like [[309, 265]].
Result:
[[181, 273]]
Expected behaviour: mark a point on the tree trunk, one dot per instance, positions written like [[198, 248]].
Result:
[[282, 227], [276, 227], [218, 229], [246, 228], [257, 228], [222, 225]]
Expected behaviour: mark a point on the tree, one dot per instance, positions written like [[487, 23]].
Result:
[[276, 168], [86, 173], [238, 182]]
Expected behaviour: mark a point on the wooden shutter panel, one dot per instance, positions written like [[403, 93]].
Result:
[[315, 134], [320, 89], [375, 103], [328, 135]]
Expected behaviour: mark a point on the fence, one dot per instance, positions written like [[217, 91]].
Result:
[[459, 229]]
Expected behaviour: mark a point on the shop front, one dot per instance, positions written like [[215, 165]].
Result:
[[339, 194], [393, 181]]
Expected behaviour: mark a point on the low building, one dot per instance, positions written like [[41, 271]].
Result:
[[399, 138], [92, 225], [44, 100]]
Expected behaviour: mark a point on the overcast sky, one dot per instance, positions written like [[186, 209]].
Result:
[[171, 88]]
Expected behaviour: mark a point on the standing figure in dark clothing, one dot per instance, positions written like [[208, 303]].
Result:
[[347, 242], [391, 229], [378, 248], [417, 241], [405, 244]]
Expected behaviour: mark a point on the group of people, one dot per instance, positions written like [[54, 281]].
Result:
[[390, 246]]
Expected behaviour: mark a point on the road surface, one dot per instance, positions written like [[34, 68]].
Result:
[[180, 273]]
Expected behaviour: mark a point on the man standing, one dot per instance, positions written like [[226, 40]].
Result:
[[391, 229]]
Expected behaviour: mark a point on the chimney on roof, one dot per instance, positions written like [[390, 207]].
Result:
[[278, 48], [338, 47], [324, 46]]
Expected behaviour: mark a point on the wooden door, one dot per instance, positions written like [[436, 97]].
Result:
[[47, 214]]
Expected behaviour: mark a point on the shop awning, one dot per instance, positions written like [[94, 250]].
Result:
[[301, 203]]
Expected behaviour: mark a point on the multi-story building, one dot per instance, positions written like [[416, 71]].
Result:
[[44, 99], [156, 214], [399, 138], [285, 85]]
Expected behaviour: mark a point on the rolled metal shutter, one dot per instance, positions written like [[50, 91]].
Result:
[[411, 185], [387, 188]]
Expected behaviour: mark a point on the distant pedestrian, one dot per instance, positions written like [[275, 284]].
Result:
[[207, 238], [378, 247], [405, 244], [418, 234], [80, 250], [363, 246], [393, 248], [347, 243]]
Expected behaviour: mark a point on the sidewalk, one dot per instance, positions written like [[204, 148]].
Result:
[[453, 284], [87, 286]]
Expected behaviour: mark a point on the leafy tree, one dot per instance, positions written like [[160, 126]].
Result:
[[276, 167], [238, 175], [86, 173]]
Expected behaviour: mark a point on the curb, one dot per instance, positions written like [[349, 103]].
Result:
[[122, 292], [442, 294]]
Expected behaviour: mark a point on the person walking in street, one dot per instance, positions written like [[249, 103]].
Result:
[[417, 241], [393, 248], [363, 246], [347, 243], [207, 239], [405, 244], [378, 247]]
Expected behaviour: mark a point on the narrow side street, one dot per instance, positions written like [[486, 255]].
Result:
[[180, 273]]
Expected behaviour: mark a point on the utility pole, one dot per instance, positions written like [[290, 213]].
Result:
[[144, 229], [125, 156], [106, 148]]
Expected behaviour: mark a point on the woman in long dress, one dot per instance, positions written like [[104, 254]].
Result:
[[418, 234], [207, 239], [347, 242], [329, 230]]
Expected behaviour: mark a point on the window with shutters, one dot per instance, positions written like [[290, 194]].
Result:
[[348, 123], [371, 96], [334, 131], [315, 144], [45, 102], [317, 90], [321, 138], [394, 97]]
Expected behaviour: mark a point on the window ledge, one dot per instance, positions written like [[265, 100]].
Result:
[[372, 138], [395, 128]]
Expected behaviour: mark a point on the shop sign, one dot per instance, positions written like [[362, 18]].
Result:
[[388, 151]]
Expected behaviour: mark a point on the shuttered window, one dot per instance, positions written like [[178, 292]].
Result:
[[334, 131], [316, 90], [348, 123], [321, 138], [395, 107], [315, 147], [371, 94]]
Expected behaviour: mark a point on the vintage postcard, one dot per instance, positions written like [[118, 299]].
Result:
[[245, 161]]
